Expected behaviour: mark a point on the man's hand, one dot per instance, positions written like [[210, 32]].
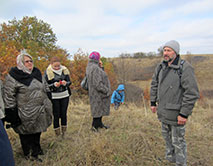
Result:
[[154, 109], [181, 120]]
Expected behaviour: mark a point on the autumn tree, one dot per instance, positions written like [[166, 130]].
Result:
[[78, 70], [33, 35], [109, 69], [29, 33], [62, 54], [8, 55], [39, 40]]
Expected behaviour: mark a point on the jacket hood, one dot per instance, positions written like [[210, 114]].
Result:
[[120, 87]]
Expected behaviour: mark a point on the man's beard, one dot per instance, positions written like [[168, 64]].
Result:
[[168, 60]]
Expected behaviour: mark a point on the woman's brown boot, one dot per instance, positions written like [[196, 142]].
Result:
[[57, 131], [63, 130]]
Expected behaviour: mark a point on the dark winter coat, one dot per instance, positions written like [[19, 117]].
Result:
[[51, 78], [99, 89], [25, 93], [175, 95]]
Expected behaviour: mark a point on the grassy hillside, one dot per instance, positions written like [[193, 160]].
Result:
[[143, 70], [134, 137]]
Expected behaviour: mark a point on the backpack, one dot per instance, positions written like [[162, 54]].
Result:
[[179, 70]]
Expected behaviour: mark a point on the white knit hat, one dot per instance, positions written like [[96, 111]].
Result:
[[173, 45]]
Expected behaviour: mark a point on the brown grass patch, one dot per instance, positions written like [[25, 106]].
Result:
[[134, 138]]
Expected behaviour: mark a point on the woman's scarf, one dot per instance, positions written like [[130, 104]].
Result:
[[50, 71], [21, 73], [25, 78], [20, 62], [59, 71]]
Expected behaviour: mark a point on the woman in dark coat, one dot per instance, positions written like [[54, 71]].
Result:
[[58, 81], [27, 106], [99, 91]]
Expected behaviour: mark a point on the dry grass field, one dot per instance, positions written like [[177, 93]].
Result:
[[134, 137]]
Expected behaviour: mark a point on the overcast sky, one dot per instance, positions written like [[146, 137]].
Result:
[[113, 27]]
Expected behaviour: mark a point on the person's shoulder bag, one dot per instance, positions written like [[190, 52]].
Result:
[[84, 83]]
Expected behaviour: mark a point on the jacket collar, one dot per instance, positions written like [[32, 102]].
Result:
[[50, 72], [25, 78], [175, 64]]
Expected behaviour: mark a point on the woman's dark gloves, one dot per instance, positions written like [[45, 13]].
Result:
[[12, 117]]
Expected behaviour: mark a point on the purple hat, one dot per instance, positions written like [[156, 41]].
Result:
[[94, 55]]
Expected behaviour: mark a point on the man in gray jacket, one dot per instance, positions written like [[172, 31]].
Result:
[[173, 94]]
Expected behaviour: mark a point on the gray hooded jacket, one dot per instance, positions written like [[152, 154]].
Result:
[[174, 95]]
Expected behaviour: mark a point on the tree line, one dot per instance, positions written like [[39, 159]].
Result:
[[38, 38]]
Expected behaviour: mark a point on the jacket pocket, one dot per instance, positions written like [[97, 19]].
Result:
[[172, 111]]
